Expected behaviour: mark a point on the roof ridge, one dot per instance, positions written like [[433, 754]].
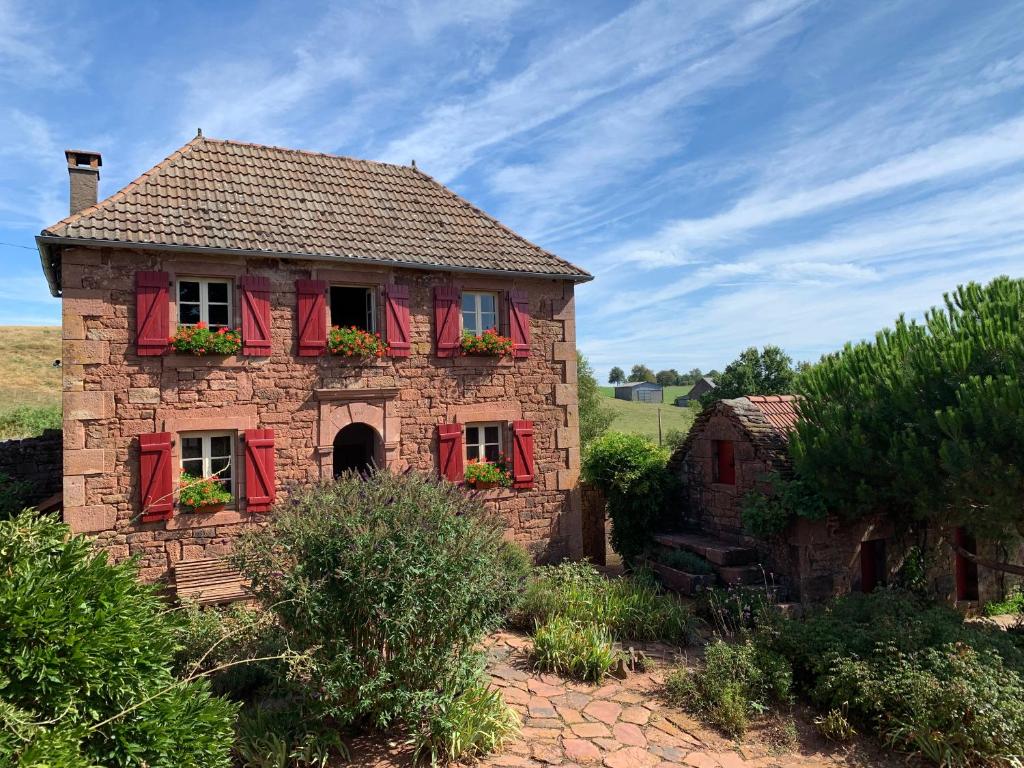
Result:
[[310, 152], [130, 186]]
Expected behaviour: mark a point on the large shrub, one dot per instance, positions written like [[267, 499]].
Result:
[[384, 585], [85, 662], [632, 473]]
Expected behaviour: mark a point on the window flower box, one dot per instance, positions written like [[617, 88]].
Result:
[[353, 342], [199, 340], [488, 344], [484, 475], [202, 494]]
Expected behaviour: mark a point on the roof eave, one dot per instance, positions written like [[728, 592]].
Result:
[[46, 258], [46, 241]]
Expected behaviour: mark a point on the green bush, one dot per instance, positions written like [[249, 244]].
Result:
[[1014, 603], [85, 662], [737, 609], [688, 562], [630, 608], [567, 647], [15, 495], [384, 585], [279, 736], [632, 473], [767, 514], [473, 723], [737, 682], [29, 421]]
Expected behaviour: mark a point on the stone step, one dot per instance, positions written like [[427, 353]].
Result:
[[745, 575], [715, 551]]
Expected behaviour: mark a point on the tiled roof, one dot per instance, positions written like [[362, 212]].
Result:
[[234, 196], [779, 410]]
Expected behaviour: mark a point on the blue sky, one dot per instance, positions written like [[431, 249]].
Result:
[[733, 173]]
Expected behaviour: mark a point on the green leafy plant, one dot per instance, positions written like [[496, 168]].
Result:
[[85, 662], [199, 340], [385, 585], [497, 472], [197, 492], [685, 561], [771, 510], [834, 726], [736, 683], [567, 647], [490, 342], [736, 609], [1012, 604], [281, 737], [475, 722], [595, 416], [630, 608], [29, 420], [353, 342], [632, 473], [15, 495]]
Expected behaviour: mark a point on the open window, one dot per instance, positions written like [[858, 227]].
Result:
[[479, 311], [204, 300], [209, 454], [965, 569], [723, 462], [483, 442], [353, 305], [872, 565]]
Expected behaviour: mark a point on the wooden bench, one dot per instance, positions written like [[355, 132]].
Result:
[[208, 582]]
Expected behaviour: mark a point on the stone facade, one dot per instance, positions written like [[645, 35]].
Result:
[[34, 460], [112, 395]]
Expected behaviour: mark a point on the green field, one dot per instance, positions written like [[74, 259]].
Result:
[[29, 384], [642, 418]]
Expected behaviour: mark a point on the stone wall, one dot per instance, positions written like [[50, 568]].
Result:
[[36, 460], [111, 396]]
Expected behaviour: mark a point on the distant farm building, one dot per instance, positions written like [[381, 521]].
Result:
[[641, 392], [702, 387]]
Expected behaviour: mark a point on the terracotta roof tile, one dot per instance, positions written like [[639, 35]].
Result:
[[779, 410], [231, 195]]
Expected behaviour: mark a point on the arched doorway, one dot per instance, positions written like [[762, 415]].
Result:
[[356, 447]]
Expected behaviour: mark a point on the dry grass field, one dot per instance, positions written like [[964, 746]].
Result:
[[29, 384]]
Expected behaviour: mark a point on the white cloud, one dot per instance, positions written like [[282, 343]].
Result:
[[27, 54]]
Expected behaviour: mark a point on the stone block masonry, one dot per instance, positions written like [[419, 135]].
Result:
[[112, 395], [35, 460]]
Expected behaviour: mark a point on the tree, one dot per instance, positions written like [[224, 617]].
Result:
[[669, 378], [641, 373], [768, 372], [616, 375], [595, 416], [692, 377]]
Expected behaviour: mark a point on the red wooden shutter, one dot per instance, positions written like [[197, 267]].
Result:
[[312, 317], [519, 323], [522, 454], [396, 310], [155, 475], [446, 321], [449, 452], [726, 462], [255, 315], [152, 313], [259, 469]]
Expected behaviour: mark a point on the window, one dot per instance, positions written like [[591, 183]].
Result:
[[483, 442], [206, 301], [723, 462], [479, 312], [872, 565], [965, 569], [207, 454], [352, 305]]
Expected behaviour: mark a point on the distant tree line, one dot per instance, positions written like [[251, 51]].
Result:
[[667, 378]]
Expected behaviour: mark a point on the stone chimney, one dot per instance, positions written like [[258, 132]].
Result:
[[84, 170]]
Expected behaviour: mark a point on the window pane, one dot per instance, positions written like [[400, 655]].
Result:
[[220, 446], [469, 322], [491, 434], [191, 448], [188, 314], [472, 435], [193, 466], [221, 468], [218, 314], [188, 291], [217, 292], [468, 302], [491, 452], [487, 303], [488, 320], [472, 452]]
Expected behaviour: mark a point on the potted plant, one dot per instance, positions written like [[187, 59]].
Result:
[[484, 475], [203, 494], [352, 342], [488, 343], [199, 340]]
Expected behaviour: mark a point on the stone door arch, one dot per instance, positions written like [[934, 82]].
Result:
[[374, 408]]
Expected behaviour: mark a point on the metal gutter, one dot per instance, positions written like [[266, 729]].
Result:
[[46, 242]]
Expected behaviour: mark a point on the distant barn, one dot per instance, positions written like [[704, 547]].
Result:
[[641, 392], [703, 386]]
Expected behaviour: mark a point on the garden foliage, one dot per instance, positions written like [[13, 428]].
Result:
[[595, 416], [577, 649], [85, 662], [766, 372]]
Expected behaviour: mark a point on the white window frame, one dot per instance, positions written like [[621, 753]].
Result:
[[482, 446], [477, 312], [371, 311], [204, 298], [207, 455]]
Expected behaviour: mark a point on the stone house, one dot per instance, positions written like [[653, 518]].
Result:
[[285, 244], [732, 449]]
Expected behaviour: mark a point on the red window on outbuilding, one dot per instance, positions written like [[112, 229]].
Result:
[[723, 465], [965, 569], [872, 565]]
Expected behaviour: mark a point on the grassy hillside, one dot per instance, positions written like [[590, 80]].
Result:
[[642, 418], [671, 393], [29, 384]]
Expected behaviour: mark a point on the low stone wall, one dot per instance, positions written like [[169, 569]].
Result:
[[36, 460]]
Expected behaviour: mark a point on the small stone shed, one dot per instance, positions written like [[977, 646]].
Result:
[[641, 392], [734, 447]]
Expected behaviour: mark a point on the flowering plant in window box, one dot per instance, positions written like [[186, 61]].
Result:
[[487, 343], [202, 494], [199, 340], [484, 474], [352, 342]]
